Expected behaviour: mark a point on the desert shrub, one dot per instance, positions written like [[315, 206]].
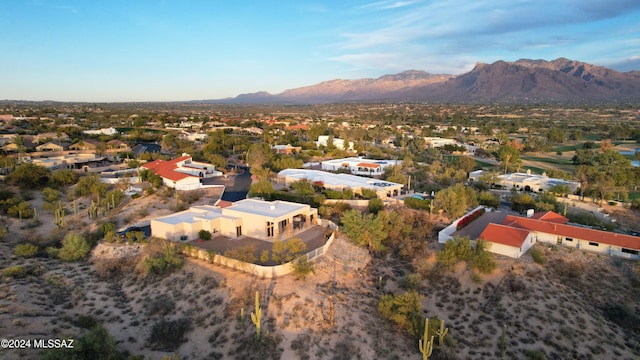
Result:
[[484, 261], [458, 249], [204, 235], [568, 269], [168, 335], [15, 271], [21, 210], [535, 354], [537, 255], [375, 205], [403, 310], [74, 247], [589, 219], [623, 316], [110, 269], [84, 321], [95, 344], [417, 204], [161, 305], [302, 267], [36, 269], [285, 251], [25, 250], [244, 253], [163, 263], [411, 281], [488, 199], [368, 193]]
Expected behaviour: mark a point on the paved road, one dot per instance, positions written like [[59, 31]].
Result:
[[236, 186]]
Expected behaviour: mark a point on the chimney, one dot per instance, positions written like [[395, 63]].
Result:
[[273, 206]]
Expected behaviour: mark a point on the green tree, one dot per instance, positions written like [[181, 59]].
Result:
[[74, 247], [508, 155], [488, 199], [29, 176], [395, 174], [375, 205], [456, 200], [465, 163], [63, 177], [365, 230], [404, 310]]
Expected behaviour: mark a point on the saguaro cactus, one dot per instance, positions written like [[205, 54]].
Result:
[[426, 346], [242, 317], [441, 332], [257, 315]]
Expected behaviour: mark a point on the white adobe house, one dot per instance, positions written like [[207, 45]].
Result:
[[341, 182], [359, 165], [435, 142], [104, 131], [263, 220], [527, 181], [338, 143]]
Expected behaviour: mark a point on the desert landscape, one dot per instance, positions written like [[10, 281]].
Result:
[[524, 309]]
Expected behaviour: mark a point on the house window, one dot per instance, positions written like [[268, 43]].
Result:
[[270, 231], [238, 230], [184, 238], [593, 243], [629, 251], [569, 239]]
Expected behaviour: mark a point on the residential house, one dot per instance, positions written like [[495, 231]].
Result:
[[85, 144], [263, 220], [50, 146], [58, 137], [182, 173], [359, 165], [286, 149], [341, 182], [527, 181], [514, 235], [105, 131], [323, 140]]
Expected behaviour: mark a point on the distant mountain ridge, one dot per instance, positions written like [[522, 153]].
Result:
[[560, 80]]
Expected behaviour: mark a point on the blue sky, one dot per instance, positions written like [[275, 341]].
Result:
[[137, 50]]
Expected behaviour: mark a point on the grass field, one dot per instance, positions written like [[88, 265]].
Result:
[[533, 169], [548, 160], [485, 165], [564, 148]]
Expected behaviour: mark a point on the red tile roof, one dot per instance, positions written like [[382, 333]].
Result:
[[368, 165], [165, 168], [505, 235], [575, 232], [223, 203], [551, 217]]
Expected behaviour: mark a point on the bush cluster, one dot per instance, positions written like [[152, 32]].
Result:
[[469, 218]]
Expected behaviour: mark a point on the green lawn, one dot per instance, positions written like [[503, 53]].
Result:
[[564, 148], [548, 160], [484, 165], [533, 169]]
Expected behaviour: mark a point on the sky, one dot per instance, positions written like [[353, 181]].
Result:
[[174, 50]]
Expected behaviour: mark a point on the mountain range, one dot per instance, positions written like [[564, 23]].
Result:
[[522, 81]]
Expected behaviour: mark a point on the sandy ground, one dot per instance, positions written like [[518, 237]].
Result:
[[561, 308]]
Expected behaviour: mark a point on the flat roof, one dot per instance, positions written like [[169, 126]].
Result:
[[358, 160], [345, 180], [273, 209], [192, 215]]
